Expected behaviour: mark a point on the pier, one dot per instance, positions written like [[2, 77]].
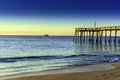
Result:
[[107, 34]]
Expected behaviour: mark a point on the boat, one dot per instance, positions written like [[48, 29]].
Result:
[[46, 35]]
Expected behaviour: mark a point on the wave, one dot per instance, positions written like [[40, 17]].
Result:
[[28, 58], [102, 58]]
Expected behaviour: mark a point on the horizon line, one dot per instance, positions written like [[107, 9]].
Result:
[[33, 35]]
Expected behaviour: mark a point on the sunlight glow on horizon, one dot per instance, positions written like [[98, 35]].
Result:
[[51, 26], [35, 27]]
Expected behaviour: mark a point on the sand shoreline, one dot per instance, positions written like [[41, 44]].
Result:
[[108, 71]]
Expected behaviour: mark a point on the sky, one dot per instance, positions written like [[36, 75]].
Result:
[[55, 17]]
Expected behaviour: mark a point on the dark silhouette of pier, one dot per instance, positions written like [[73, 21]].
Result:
[[97, 34]]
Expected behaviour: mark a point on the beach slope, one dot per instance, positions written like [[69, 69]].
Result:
[[90, 72]]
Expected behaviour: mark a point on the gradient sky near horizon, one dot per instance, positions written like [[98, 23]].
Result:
[[55, 17]]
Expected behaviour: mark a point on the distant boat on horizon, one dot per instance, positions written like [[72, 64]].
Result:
[[46, 35]]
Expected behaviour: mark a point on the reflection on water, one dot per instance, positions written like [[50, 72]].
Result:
[[94, 48]]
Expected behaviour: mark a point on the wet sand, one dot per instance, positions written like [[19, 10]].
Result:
[[111, 71]]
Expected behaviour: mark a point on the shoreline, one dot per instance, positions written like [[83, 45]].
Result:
[[71, 73]]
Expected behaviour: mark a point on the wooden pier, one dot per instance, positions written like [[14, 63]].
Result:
[[98, 34]]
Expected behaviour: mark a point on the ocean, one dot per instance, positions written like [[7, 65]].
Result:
[[19, 54]]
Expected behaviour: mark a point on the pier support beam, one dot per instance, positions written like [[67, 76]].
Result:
[[101, 36], [92, 36], [97, 36], [74, 38], [89, 35], [105, 36], [81, 36], [115, 39], [84, 37], [110, 37]]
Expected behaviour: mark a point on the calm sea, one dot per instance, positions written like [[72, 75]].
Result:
[[36, 53]]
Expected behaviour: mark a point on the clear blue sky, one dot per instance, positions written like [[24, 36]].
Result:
[[55, 17]]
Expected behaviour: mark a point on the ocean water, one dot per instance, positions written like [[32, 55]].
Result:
[[20, 54]]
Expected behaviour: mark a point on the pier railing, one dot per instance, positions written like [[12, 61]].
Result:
[[97, 34]]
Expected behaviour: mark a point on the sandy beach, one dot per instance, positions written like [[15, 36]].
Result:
[[109, 71]]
